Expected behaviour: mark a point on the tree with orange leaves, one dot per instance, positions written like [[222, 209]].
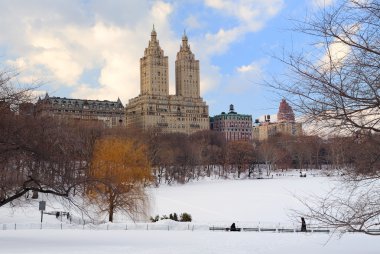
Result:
[[120, 170]]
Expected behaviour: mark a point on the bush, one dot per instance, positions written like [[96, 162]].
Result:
[[155, 218], [185, 217]]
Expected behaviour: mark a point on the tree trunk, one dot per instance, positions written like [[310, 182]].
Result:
[[110, 216], [111, 208]]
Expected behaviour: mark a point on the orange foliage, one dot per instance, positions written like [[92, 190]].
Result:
[[120, 169], [120, 161]]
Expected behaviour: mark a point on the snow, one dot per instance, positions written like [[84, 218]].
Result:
[[249, 200], [180, 242], [211, 202]]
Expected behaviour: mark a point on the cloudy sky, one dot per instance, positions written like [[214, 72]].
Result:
[[91, 48]]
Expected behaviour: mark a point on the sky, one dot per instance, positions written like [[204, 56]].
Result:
[[90, 49]]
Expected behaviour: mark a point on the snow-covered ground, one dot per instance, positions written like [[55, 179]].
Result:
[[251, 202], [180, 242]]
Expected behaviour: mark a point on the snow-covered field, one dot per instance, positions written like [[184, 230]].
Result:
[[249, 200], [263, 202]]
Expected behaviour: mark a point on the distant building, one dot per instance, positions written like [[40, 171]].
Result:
[[285, 125], [265, 130], [285, 113], [111, 113], [234, 126], [184, 112]]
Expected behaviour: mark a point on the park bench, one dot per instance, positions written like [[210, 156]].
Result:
[[251, 229], [223, 229], [286, 230]]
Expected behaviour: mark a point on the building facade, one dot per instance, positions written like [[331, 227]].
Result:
[[285, 113], [111, 113], [285, 125], [184, 112], [234, 126]]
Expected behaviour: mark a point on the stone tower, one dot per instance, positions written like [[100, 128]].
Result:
[[154, 71], [184, 112], [186, 72], [285, 112]]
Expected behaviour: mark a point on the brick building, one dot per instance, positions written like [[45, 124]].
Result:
[[285, 125], [234, 126]]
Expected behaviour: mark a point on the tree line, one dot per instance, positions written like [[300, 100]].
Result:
[[112, 167], [182, 158]]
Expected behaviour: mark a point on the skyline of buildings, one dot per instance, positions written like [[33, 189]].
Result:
[[182, 112], [155, 108]]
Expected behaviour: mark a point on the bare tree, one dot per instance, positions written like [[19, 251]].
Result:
[[13, 93], [353, 207], [241, 156], [44, 156], [338, 89]]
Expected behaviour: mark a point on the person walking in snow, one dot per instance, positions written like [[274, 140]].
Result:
[[303, 225]]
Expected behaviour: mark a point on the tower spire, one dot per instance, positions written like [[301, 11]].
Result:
[[185, 45], [184, 36], [153, 34]]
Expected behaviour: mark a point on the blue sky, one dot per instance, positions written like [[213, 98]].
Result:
[[91, 48]]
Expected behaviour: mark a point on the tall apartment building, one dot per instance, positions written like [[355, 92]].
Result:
[[111, 113], [234, 126], [184, 112], [285, 125]]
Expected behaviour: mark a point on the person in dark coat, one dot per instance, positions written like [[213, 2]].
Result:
[[303, 225], [233, 227]]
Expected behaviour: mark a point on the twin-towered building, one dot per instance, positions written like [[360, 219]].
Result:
[[184, 112]]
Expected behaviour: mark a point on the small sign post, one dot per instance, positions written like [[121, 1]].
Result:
[[42, 206]]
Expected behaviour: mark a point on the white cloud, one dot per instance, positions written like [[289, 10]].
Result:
[[251, 17], [219, 42], [253, 67], [61, 49], [62, 43], [322, 3], [250, 13], [193, 22], [246, 77], [334, 56], [210, 77]]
